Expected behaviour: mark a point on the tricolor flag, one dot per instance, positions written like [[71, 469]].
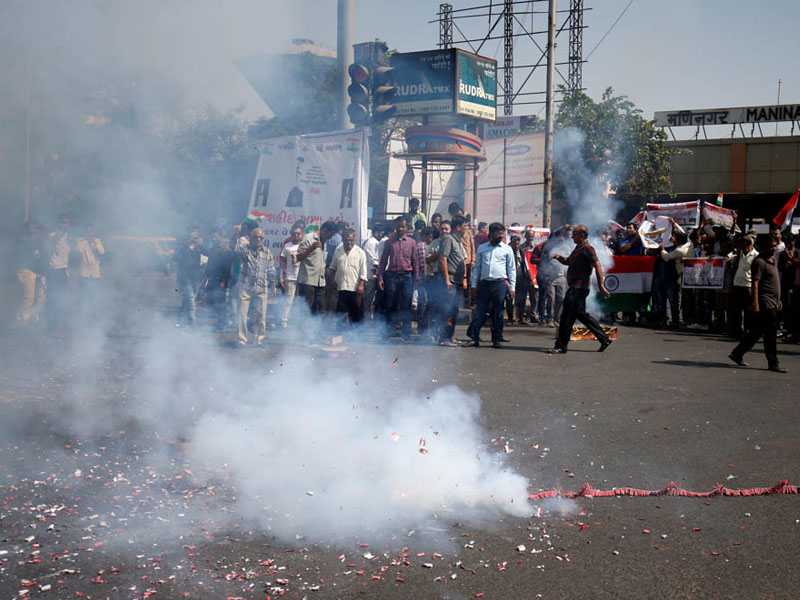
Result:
[[719, 199], [630, 282], [784, 218]]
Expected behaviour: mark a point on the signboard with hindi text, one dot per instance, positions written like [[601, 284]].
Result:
[[317, 177], [728, 116]]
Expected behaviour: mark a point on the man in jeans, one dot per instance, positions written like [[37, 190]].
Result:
[[579, 272], [398, 271], [451, 280], [256, 280], [765, 308], [494, 275]]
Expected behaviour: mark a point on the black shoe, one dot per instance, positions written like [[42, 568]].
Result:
[[556, 351], [604, 345], [471, 344], [778, 370], [497, 345], [504, 339], [737, 360]]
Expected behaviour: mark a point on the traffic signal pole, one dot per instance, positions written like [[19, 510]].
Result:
[[344, 56]]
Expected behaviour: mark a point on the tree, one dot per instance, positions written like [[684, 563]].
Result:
[[615, 144]]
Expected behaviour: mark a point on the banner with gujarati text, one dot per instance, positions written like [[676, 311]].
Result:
[[316, 177]]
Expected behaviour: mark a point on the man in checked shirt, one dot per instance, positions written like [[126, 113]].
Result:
[[256, 277], [398, 272]]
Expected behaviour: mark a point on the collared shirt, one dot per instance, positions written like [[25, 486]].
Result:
[[59, 257], [469, 247], [399, 256], [417, 216], [312, 268], [494, 263], [331, 246], [452, 249], [742, 278], [579, 266], [289, 254], [370, 247], [350, 269], [90, 250], [257, 273], [422, 250]]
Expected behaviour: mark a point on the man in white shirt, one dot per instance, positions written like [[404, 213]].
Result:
[[289, 268], [742, 282], [371, 250], [58, 288], [349, 266], [494, 275]]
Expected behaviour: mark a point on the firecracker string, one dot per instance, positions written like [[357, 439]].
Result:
[[671, 489]]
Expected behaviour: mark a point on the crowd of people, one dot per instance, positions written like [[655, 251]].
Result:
[[413, 274]]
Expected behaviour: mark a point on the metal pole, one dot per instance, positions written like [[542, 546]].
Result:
[[549, 115], [474, 191], [27, 208], [504, 181], [344, 56], [424, 182], [780, 81]]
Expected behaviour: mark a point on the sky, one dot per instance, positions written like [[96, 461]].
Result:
[[662, 55]]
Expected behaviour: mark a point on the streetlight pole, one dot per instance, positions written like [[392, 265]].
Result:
[[549, 115], [344, 56]]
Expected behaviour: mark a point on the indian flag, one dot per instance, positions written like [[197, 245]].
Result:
[[630, 281]]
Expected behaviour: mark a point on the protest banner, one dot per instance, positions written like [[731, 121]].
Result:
[[316, 177], [656, 231], [686, 214], [716, 216], [703, 273]]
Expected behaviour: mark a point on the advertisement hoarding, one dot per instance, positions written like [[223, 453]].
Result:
[[477, 86]]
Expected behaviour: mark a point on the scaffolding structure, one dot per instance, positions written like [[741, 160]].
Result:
[[524, 45]]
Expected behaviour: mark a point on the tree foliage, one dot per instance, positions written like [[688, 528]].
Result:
[[618, 144]]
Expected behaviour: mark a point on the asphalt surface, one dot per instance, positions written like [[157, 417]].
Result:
[[655, 407]]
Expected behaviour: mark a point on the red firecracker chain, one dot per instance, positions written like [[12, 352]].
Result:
[[671, 489]]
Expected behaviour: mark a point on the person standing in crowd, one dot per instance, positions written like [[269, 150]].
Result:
[[580, 265], [349, 267], [436, 222], [331, 296], [495, 274], [787, 261], [742, 282], [31, 274], [415, 215], [765, 308], [467, 239], [190, 275], [667, 276], [90, 248], [289, 269], [553, 276], [631, 244], [58, 291], [723, 295], [425, 291], [218, 273], [370, 247], [450, 278], [526, 287], [482, 236], [398, 271], [312, 256], [256, 281]]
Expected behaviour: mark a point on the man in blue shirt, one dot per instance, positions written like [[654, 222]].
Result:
[[494, 274]]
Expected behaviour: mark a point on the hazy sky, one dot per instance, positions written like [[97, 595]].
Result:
[[663, 55]]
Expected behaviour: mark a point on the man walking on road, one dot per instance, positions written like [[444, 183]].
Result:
[[256, 280], [579, 272], [765, 309], [494, 275]]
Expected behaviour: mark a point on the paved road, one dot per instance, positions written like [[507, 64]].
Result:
[[105, 515]]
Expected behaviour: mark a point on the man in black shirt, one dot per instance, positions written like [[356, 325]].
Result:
[[766, 297], [581, 263]]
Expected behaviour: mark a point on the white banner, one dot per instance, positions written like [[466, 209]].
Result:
[[686, 214], [317, 177], [718, 216], [704, 273], [655, 232]]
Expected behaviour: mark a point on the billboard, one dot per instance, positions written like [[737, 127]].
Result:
[[448, 81], [316, 177], [477, 86]]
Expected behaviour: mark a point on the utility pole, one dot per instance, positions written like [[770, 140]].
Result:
[[344, 57], [549, 115]]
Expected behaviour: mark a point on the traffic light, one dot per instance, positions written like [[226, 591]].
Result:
[[383, 91], [358, 109]]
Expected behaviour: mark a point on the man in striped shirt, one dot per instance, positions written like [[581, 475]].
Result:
[[398, 271]]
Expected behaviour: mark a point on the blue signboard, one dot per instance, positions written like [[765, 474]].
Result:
[[477, 86]]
